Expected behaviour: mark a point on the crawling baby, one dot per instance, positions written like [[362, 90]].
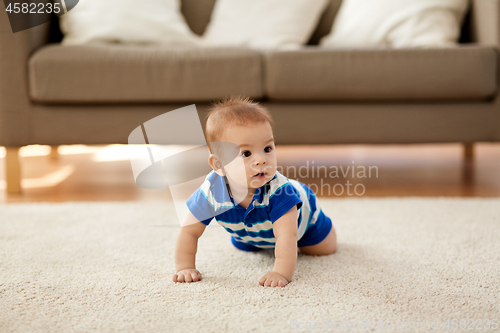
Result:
[[255, 203]]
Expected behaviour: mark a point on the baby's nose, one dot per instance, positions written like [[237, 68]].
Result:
[[260, 160]]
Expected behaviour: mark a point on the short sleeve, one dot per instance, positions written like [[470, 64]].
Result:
[[200, 207], [282, 200]]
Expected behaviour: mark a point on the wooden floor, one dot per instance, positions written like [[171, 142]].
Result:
[[103, 173]]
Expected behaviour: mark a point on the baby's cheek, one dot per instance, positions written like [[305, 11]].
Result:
[[237, 171]]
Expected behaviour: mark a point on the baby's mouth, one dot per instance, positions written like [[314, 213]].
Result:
[[260, 175]]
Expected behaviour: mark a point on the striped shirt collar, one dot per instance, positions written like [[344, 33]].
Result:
[[221, 194]]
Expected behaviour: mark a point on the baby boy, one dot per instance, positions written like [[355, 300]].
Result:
[[262, 209]]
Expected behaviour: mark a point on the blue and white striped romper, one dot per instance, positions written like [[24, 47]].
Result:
[[252, 228]]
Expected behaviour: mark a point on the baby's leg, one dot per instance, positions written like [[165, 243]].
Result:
[[326, 246]]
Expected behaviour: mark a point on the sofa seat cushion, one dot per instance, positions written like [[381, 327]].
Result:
[[331, 74], [136, 73]]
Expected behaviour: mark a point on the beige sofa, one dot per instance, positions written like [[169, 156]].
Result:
[[50, 94]]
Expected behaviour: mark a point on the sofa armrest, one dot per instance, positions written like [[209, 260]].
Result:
[[485, 22], [485, 30], [15, 49]]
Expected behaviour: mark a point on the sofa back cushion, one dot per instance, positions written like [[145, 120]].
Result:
[[397, 23], [155, 21], [271, 24]]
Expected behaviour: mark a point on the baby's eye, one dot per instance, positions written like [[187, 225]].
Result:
[[246, 153], [268, 149]]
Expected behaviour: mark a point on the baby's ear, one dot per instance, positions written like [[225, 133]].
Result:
[[216, 165]]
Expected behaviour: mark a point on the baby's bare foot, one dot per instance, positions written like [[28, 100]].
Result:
[[187, 275], [273, 279]]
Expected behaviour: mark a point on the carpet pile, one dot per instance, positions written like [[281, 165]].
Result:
[[402, 263]]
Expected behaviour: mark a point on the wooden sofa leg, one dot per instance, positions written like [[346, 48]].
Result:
[[13, 170], [468, 163], [54, 155], [468, 152]]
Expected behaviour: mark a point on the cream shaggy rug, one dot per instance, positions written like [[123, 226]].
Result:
[[107, 267]]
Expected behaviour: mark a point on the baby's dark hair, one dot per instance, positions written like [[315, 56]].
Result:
[[233, 111]]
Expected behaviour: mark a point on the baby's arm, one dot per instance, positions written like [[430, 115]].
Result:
[[285, 231], [185, 250]]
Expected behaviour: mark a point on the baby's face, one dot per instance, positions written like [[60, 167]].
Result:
[[257, 154]]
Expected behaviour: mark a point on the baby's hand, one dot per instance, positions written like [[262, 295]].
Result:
[[273, 279], [187, 275]]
